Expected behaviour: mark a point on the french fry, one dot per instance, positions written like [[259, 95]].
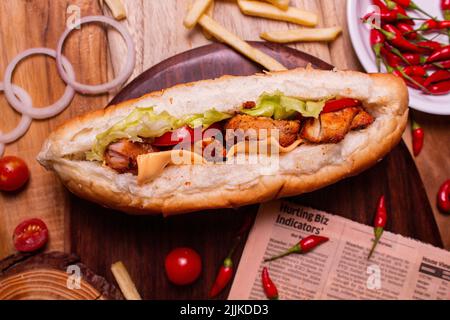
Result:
[[222, 34], [195, 12], [209, 12], [117, 9], [265, 10], [123, 278], [302, 35], [282, 4]]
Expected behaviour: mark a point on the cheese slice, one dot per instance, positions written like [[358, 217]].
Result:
[[267, 146], [151, 165]]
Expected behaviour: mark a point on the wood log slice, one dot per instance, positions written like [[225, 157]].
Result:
[[52, 276]]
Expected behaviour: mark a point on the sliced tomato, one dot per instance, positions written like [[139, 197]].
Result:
[[175, 137], [339, 104], [30, 235], [186, 133]]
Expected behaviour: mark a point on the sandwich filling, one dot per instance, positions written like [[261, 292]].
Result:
[[145, 142]]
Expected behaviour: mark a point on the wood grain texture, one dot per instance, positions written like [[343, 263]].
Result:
[[28, 24], [211, 232], [45, 276]]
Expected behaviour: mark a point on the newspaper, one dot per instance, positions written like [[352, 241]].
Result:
[[400, 268]]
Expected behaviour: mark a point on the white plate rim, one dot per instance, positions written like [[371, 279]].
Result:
[[428, 104]]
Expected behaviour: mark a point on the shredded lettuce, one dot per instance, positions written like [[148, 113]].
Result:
[[206, 119], [141, 122], [282, 107], [145, 123]]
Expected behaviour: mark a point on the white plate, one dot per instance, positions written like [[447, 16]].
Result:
[[359, 35]]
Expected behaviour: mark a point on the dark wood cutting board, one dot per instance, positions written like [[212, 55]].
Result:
[[101, 236]]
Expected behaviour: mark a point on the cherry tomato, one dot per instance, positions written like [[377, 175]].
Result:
[[30, 235], [14, 173], [443, 198], [183, 266], [173, 138]]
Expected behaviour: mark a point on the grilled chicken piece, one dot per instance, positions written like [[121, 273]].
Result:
[[330, 127], [361, 120], [288, 129], [122, 155]]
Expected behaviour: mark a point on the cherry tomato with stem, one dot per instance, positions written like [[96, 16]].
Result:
[[30, 235], [14, 173], [183, 266]]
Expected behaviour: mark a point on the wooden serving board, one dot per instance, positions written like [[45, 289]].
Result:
[[52, 276], [101, 236]]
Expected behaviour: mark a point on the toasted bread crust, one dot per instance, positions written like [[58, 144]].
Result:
[[190, 188]]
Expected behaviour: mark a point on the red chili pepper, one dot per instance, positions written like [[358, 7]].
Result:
[[376, 41], [408, 31], [414, 58], [387, 16], [408, 4], [416, 71], [417, 82], [443, 24], [445, 7], [269, 287], [443, 197], [339, 104], [396, 38], [398, 53], [437, 76], [399, 72], [429, 45], [380, 4], [439, 88], [440, 54], [418, 136], [379, 223], [226, 271], [392, 59], [403, 3], [305, 245], [430, 24], [393, 6], [223, 277], [440, 64]]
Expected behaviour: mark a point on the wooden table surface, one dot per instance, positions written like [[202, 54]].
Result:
[[158, 33]]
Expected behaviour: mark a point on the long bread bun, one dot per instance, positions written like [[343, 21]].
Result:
[[184, 188]]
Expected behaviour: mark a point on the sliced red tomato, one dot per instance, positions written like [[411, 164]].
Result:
[[14, 173], [186, 133], [339, 104], [30, 235], [175, 137]]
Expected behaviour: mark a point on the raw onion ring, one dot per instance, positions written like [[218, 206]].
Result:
[[105, 87], [25, 121], [37, 113]]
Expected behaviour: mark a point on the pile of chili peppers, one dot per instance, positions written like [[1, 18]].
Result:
[[405, 50]]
